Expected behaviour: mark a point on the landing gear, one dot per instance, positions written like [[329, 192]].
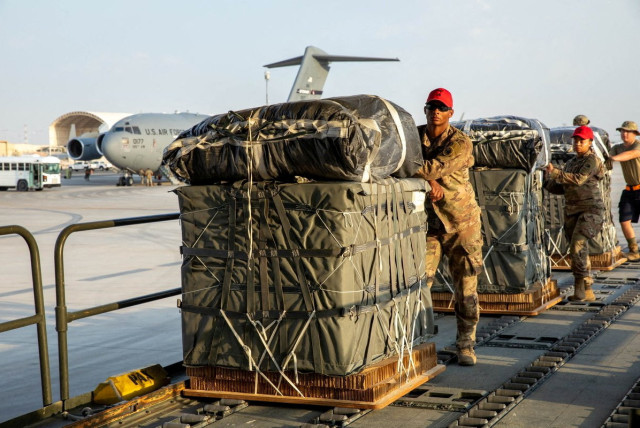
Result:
[[125, 180]]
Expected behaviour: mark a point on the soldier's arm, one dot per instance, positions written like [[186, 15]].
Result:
[[553, 187], [625, 156], [589, 168], [455, 157]]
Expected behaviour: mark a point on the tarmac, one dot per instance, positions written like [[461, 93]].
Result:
[[100, 267]]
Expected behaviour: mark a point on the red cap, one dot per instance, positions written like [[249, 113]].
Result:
[[441, 95], [583, 132]]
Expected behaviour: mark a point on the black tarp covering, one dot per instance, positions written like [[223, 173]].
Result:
[[507, 142], [355, 138]]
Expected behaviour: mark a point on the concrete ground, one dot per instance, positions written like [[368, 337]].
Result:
[[100, 267]]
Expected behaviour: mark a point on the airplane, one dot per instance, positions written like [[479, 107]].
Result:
[[136, 142]]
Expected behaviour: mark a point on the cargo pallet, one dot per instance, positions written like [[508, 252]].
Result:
[[374, 387], [603, 262], [532, 302]]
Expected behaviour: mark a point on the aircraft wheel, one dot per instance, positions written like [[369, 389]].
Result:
[[122, 182], [22, 186], [129, 181]]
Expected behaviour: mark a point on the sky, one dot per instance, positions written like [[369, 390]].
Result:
[[543, 59]]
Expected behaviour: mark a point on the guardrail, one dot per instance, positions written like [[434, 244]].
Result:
[[39, 317], [64, 317]]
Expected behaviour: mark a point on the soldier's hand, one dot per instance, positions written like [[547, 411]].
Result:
[[608, 163], [436, 191], [549, 167]]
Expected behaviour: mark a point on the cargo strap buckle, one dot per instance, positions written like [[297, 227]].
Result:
[[351, 312], [347, 251]]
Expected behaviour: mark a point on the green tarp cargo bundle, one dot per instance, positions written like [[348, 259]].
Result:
[[357, 138], [507, 142], [561, 151], [324, 277], [513, 250]]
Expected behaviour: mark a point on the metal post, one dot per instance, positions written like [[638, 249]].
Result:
[[267, 76], [63, 318], [39, 318]]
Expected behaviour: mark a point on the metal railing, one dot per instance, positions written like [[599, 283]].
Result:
[[64, 317], [39, 317]]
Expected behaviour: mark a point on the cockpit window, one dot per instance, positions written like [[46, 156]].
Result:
[[118, 129], [136, 130], [128, 129]]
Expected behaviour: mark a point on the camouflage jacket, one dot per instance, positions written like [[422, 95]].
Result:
[[579, 181], [447, 160]]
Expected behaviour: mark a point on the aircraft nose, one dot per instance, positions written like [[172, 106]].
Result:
[[112, 148]]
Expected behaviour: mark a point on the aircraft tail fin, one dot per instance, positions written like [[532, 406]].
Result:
[[313, 71]]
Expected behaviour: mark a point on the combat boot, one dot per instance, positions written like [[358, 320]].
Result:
[[466, 356], [578, 290], [633, 256], [588, 292]]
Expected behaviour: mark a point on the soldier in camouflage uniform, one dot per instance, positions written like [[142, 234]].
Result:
[[453, 215], [628, 154], [584, 206]]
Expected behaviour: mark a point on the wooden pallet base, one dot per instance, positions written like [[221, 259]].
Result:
[[373, 388], [603, 262], [531, 303], [401, 390]]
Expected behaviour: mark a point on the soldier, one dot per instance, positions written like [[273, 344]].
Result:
[[453, 215], [584, 206], [628, 154], [143, 177], [149, 174], [581, 120]]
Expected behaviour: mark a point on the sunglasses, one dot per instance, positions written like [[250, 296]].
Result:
[[440, 107]]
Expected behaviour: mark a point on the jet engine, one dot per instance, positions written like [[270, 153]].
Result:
[[83, 148], [99, 143]]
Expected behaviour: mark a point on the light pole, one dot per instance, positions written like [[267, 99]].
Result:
[[267, 76]]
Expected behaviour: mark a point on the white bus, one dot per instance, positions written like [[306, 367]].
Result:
[[29, 172]]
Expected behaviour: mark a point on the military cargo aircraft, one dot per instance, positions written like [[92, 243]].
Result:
[[136, 142]]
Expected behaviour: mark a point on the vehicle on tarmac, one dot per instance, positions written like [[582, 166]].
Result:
[[29, 172], [80, 166], [100, 165]]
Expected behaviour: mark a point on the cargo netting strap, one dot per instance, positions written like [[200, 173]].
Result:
[[399, 334], [247, 351], [400, 128], [510, 202], [274, 131], [353, 311], [344, 252], [373, 126], [204, 229], [262, 334], [487, 226], [302, 279]]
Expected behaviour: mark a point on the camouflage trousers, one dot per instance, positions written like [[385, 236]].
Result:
[[579, 229], [464, 253]]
